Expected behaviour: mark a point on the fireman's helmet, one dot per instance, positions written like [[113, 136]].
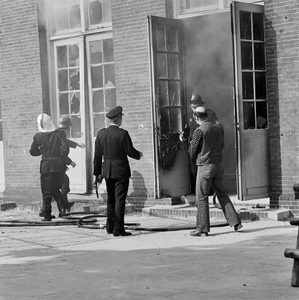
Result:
[[65, 122]]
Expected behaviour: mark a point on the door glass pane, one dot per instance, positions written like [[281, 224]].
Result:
[[162, 65], [245, 25], [173, 66], [63, 80], [161, 38], [247, 85], [95, 49], [174, 93], [99, 123], [108, 50], [175, 120], [75, 16], [259, 56], [163, 93], [248, 114], [164, 113], [246, 55], [262, 114], [260, 85], [109, 75], [172, 39], [76, 127], [97, 77], [73, 55], [110, 99], [75, 103], [258, 26], [64, 104], [98, 101], [74, 79], [62, 56]]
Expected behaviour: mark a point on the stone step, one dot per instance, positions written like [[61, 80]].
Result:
[[189, 211]]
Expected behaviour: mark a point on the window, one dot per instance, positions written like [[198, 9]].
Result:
[[253, 66], [1, 133], [79, 15], [185, 8]]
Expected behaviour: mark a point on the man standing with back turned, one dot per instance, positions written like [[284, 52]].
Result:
[[206, 147], [115, 145]]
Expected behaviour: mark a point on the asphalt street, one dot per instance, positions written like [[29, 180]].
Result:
[[68, 262]]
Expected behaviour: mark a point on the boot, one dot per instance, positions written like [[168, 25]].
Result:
[[67, 205]]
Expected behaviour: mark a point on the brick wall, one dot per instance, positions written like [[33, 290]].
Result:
[[282, 41], [21, 93], [133, 84]]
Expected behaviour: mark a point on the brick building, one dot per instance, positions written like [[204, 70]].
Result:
[[82, 57]]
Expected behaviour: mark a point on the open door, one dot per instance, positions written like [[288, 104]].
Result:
[[167, 69], [251, 101]]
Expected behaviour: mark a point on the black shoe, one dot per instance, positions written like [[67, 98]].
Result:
[[238, 226], [46, 219], [69, 205], [62, 214], [197, 232], [109, 232], [122, 233]]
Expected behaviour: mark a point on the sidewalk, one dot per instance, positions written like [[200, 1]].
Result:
[[67, 262]]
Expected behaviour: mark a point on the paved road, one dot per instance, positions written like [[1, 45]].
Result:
[[67, 262]]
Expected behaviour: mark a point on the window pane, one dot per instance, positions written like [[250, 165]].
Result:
[[64, 104], [95, 49], [62, 80], [245, 25], [61, 18], [110, 98], [98, 101], [62, 57], [74, 79], [99, 123], [173, 66], [75, 103], [73, 55], [162, 65], [108, 50], [260, 85], [174, 93], [258, 26], [109, 75], [75, 17], [175, 120], [259, 56], [262, 115], [95, 12], [76, 127], [172, 39], [164, 121], [97, 76], [248, 113], [163, 93], [161, 38], [247, 85], [246, 55]]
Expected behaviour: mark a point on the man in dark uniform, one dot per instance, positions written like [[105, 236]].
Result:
[[114, 145], [51, 145], [206, 147], [191, 125]]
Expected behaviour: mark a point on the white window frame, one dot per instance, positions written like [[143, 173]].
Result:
[[197, 11]]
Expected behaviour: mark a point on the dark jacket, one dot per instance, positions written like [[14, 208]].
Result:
[[53, 149], [114, 144], [211, 144]]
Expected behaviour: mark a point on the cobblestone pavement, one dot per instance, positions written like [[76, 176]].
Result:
[[68, 262]]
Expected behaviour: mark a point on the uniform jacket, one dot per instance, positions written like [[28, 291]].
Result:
[[53, 149], [114, 145]]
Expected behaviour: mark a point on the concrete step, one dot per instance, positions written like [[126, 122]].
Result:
[[189, 211]]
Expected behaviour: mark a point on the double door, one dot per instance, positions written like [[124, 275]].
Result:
[[85, 91]]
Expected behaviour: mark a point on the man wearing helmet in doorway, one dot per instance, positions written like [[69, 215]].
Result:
[[65, 124], [186, 135]]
